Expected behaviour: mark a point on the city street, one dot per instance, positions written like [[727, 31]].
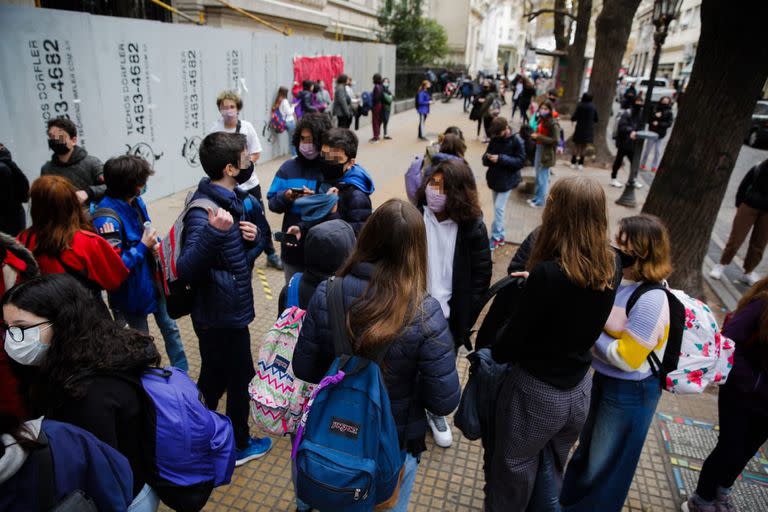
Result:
[[451, 479]]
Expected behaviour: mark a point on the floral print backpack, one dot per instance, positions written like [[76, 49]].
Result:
[[697, 353]]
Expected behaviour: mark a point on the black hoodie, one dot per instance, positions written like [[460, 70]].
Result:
[[326, 248], [82, 170]]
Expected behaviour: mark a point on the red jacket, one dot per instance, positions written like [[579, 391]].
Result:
[[88, 253]]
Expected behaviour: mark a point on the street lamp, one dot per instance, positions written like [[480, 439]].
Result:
[[664, 11]]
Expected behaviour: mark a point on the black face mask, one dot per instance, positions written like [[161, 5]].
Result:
[[627, 260], [59, 148], [332, 170], [245, 174]]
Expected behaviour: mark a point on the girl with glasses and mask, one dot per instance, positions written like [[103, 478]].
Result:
[[459, 263], [52, 323]]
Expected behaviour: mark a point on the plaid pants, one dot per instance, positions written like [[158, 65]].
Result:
[[531, 416]]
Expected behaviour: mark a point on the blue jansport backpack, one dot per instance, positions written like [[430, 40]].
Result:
[[347, 452], [366, 103]]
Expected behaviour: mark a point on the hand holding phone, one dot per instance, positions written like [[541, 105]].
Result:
[[286, 238]]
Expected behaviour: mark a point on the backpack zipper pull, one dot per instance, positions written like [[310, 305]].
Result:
[[357, 494]]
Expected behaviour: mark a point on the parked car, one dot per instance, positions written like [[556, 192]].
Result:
[[661, 88], [758, 128]]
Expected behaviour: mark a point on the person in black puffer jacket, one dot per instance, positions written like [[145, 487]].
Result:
[[504, 157], [213, 258], [751, 214], [14, 190], [629, 123], [585, 118], [385, 295]]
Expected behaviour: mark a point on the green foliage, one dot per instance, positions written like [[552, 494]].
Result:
[[419, 40]]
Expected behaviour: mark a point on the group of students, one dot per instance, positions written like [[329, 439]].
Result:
[[414, 276], [345, 105]]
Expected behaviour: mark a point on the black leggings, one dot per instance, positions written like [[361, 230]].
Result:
[[742, 433]]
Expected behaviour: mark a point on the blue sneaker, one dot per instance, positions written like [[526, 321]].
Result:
[[256, 448]]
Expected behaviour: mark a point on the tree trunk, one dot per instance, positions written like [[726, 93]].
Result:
[[694, 173], [575, 72], [611, 34], [560, 37]]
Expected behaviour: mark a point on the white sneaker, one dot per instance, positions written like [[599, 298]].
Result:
[[751, 278], [573, 166], [616, 183], [440, 430], [581, 167], [717, 271], [637, 184]]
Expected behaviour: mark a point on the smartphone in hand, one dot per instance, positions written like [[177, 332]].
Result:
[[286, 238], [299, 191]]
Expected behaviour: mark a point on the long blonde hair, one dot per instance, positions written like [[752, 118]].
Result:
[[574, 232], [394, 240]]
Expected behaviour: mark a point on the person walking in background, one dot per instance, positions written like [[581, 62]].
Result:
[[742, 405], [628, 99], [377, 96], [120, 218], [751, 214], [527, 93], [322, 96], [213, 256], [543, 402], [305, 98], [585, 117], [546, 136], [625, 391], [14, 191], [387, 100], [504, 157], [355, 102], [467, 88], [342, 104], [662, 120], [459, 263], [626, 133], [286, 109], [73, 162], [64, 242], [423, 100], [384, 283]]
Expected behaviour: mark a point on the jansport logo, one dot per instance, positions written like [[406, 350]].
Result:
[[345, 428]]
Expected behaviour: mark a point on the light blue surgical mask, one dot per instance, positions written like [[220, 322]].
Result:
[[29, 351]]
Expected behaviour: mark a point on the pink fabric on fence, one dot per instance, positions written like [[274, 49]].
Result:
[[325, 68]]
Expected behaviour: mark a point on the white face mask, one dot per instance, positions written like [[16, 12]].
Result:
[[30, 351]]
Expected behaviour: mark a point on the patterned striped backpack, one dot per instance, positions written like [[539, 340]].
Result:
[[277, 396]]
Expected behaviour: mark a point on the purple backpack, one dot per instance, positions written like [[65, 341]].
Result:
[[190, 449], [413, 178]]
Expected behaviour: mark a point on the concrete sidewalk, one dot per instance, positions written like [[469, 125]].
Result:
[[452, 479]]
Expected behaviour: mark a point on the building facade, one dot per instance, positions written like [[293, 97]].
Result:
[[679, 49], [512, 32], [348, 20]]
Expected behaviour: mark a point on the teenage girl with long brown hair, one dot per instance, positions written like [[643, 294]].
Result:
[[742, 404], [285, 108], [388, 308], [571, 283]]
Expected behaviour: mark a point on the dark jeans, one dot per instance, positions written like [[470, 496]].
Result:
[[620, 154], [344, 122], [467, 103], [227, 365], [601, 470], [422, 120], [742, 432], [385, 118]]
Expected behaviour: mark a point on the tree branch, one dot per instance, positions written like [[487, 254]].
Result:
[[533, 14]]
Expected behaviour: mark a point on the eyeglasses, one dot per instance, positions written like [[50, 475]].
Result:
[[17, 333]]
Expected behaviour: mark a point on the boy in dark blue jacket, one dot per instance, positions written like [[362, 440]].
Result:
[[504, 157], [120, 218], [342, 176], [213, 258]]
